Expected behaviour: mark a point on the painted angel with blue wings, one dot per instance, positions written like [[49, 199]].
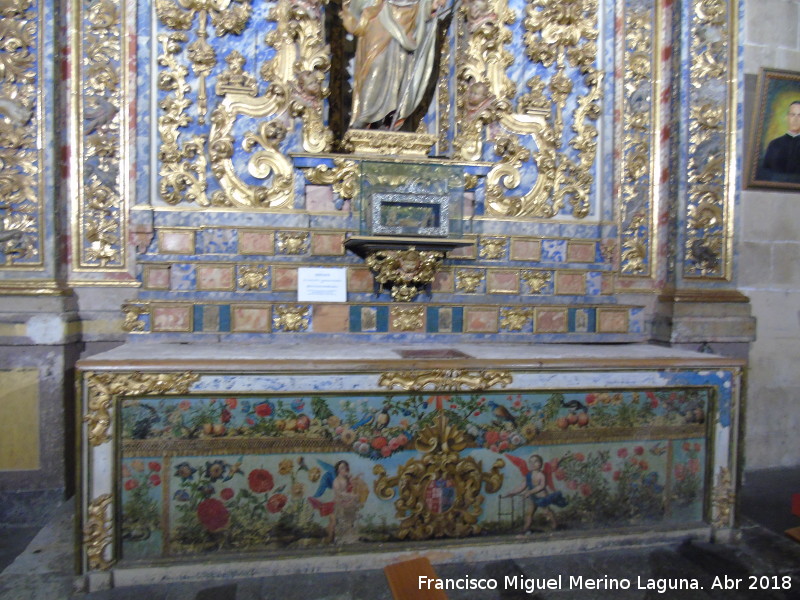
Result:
[[349, 495]]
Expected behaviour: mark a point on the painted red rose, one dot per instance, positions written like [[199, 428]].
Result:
[[260, 480], [154, 466], [225, 415], [231, 403], [276, 503], [622, 453], [638, 450], [155, 480], [263, 409], [492, 437], [213, 514], [379, 442], [226, 494], [131, 484]]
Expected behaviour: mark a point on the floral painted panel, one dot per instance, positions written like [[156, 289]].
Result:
[[290, 472]]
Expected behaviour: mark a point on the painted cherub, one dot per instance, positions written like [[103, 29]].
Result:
[[538, 488]]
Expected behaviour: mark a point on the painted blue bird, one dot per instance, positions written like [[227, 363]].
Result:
[[501, 412], [366, 419]]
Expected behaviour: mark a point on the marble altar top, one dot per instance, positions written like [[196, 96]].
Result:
[[320, 356]]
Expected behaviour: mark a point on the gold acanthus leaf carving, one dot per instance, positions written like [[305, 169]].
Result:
[[492, 248], [708, 234], [536, 280], [445, 380], [343, 177], [252, 277], [227, 16], [104, 387], [408, 319], [723, 500], [292, 242], [637, 149], [183, 166], [291, 318], [268, 161], [97, 533], [440, 466], [132, 313], [558, 33], [299, 66], [405, 272], [514, 319], [484, 90], [468, 281]]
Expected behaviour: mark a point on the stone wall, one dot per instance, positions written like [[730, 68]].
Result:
[[769, 251]]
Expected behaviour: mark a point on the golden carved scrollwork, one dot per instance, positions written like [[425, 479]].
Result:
[[101, 209], [559, 33], [536, 280], [299, 66], [408, 319], [343, 177], [267, 162], [97, 533], [388, 143], [484, 89], [132, 312], [708, 234], [183, 166], [21, 204], [227, 16], [638, 117], [405, 272], [252, 277], [445, 380], [291, 318], [492, 248], [440, 466], [514, 319], [723, 500], [104, 387], [292, 242], [468, 281]]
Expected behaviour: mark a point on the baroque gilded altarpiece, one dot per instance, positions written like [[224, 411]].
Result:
[[212, 164], [208, 163]]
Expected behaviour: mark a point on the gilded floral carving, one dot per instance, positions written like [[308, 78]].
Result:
[[639, 114], [408, 319], [252, 277], [708, 233], [445, 380], [97, 532], [405, 272], [291, 318]]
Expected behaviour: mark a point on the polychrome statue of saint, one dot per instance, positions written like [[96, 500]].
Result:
[[395, 56]]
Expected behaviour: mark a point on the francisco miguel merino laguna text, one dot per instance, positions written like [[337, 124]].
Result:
[[573, 582]]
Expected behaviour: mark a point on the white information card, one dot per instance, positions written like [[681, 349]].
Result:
[[321, 284]]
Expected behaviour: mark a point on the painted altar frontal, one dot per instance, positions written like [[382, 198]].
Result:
[[271, 463]]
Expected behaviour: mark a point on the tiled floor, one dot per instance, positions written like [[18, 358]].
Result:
[[43, 570]]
